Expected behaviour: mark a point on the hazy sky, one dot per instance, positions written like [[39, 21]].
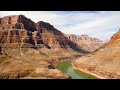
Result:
[[98, 24]]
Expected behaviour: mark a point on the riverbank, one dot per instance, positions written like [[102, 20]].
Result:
[[99, 72], [87, 72], [66, 68], [56, 61]]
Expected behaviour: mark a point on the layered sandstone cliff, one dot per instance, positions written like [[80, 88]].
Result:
[[85, 42], [34, 47], [15, 21], [104, 63], [20, 30]]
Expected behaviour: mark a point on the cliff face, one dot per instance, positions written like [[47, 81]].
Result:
[[17, 31], [16, 21], [23, 30], [103, 63], [85, 42], [15, 38], [115, 40], [50, 36], [27, 46], [37, 45]]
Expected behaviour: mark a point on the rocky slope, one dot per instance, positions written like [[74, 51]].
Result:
[[104, 62], [85, 42], [13, 68], [23, 32], [35, 47], [18, 33]]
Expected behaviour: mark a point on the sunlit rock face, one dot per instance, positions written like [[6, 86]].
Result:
[[85, 42], [104, 62], [20, 29], [25, 49]]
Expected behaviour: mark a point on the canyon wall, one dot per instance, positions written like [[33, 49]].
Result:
[[104, 62], [85, 42]]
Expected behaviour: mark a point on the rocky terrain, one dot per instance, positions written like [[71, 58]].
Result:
[[104, 62], [33, 50], [23, 32], [30, 49], [85, 42], [13, 68]]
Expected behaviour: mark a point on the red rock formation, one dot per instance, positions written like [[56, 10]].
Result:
[[85, 42], [42, 24], [22, 31], [15, 22], [50, 36], [115, 40], [19, 31], [106, 60]]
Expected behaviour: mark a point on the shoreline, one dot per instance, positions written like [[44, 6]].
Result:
[[56, 61], [88, 72]]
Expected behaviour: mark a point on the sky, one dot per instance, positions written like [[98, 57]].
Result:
[[97, 24]]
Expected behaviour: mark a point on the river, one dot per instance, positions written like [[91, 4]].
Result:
[[66, 67]]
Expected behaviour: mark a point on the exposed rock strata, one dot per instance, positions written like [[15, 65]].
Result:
[[85, 42], [27, 46], [104, 62]]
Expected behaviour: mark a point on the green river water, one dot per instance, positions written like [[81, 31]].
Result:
[[66, 67]]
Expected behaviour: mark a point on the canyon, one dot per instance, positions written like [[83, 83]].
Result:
[[104, 63], [33, 50], [85, 42]]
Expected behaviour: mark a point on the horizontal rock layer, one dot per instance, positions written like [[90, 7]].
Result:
[[85, 42], [104, 62]]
